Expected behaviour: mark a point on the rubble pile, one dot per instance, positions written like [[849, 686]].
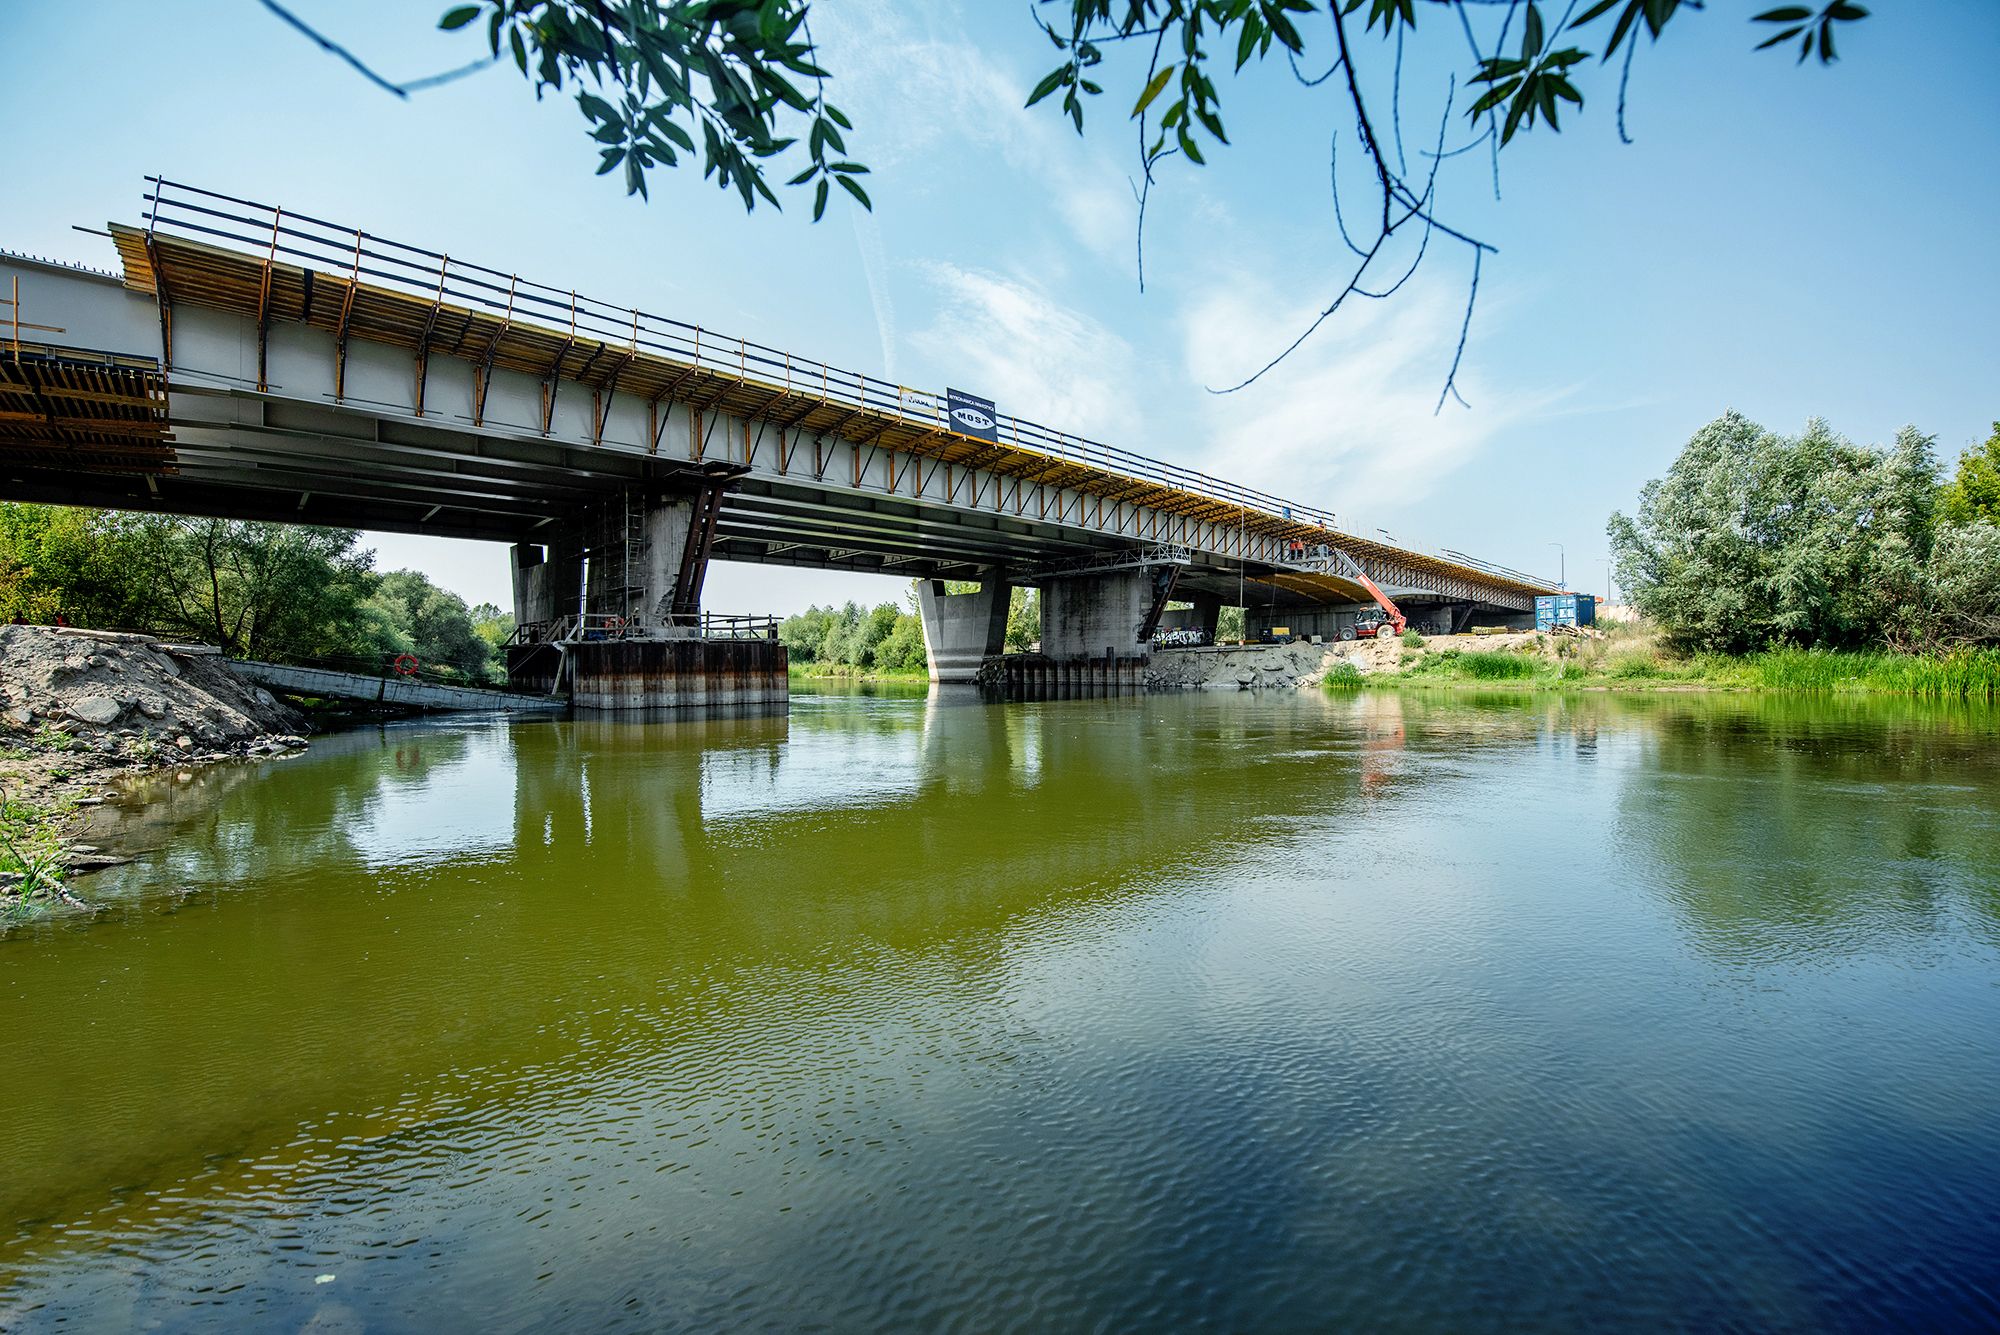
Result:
[[102, 700], [1233, 668]]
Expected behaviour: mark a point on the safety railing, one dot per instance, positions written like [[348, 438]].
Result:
[[594, 626], [727, 626], [271, 232]]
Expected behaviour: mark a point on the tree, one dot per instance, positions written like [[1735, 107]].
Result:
[[1753, 539], [804, 634], [743, 76], [276, 591], [1024, 619], [76, 564], [439, 625], [254, 589], [493, 626], [1974, 490], [1959, 596], [884, 638]]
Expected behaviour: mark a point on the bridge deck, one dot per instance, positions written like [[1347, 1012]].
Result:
[[273, 266]]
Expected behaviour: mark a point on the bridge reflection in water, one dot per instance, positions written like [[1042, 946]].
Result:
[[899, 1011]]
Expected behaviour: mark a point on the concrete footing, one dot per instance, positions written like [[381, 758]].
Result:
[[1036, 677], [656, 674]]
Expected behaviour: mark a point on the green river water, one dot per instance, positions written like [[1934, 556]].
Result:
[[1378, 1011]]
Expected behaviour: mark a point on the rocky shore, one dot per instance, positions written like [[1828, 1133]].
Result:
[[80, 709]]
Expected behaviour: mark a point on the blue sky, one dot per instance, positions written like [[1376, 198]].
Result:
[[1785, 241]]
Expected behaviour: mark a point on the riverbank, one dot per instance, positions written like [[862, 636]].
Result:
[[80, 710], [1632, 659], [846, 672]]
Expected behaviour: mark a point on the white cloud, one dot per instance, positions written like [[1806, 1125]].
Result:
[[874, 269], [1348, 420], [1037, 357], [922, 97]]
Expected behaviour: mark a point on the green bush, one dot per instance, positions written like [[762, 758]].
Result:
[[1342, 676], [1412, 640]]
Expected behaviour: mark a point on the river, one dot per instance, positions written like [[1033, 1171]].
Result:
[[1275, 1012]]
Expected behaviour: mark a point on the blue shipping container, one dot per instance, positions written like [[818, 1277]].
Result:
[[1565, 609]]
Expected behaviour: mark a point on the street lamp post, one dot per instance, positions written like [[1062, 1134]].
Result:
[[1562, 566]]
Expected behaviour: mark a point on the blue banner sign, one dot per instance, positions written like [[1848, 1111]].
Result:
[[970, 415]]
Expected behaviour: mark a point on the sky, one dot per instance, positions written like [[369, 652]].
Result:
[[1786, 241]]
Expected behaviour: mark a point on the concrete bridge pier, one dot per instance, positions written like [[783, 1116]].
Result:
[[548, 581], [635, 564], [963, 630], [1092, 616]]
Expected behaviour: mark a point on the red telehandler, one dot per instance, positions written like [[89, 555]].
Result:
[[1391, 622]]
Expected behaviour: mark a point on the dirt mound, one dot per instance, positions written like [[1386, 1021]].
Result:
[[75, 704]]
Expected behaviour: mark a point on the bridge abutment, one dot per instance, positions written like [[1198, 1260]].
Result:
[[962, 630]]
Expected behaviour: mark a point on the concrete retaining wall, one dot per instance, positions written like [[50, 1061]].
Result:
[[404, 691]]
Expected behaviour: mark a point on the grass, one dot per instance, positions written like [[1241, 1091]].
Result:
[[1963, 675], [30, 850], [1632, 658], [848, 672]]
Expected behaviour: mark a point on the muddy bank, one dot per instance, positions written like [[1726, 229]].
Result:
[[80, 710]]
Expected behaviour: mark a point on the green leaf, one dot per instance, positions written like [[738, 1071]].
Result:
[[1494, 97], [1514, 114], [1053, 81], [1622, 27], [1246, 44], [677, 134], [457, 18], [819, 201], [1784, 14], [1159, 81], [853, 187]]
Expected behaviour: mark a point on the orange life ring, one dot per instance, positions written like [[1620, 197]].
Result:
[[406, 665]]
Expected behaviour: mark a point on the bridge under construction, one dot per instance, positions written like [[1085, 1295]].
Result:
[[250, 362]]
